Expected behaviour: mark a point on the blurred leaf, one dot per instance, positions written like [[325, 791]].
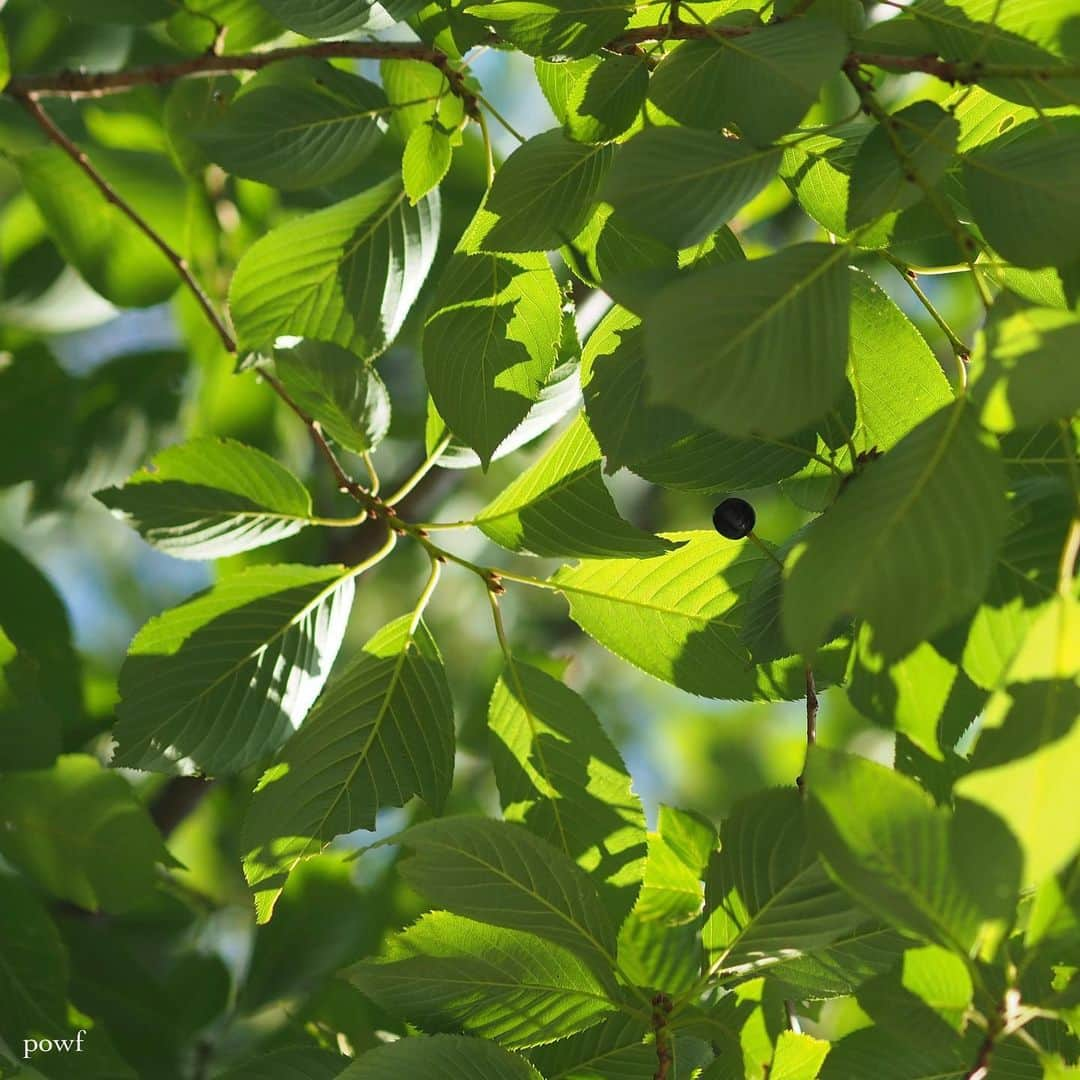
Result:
[[79, 831], [347, 274], [121, 11], [33, 992], [216, 684], [382, 732], [114, 256], [798, 1056], [290, 1063], [43, 694], [329, 18]]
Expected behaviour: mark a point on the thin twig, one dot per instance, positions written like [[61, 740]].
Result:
[[964, 240], [76, 84], [45, 122], [811, 724], [661, 1004], [418, 474], [960, 350], [981, 1069]]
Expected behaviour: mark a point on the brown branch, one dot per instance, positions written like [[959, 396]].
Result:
[[811, 723], [79, 84], [661, 1008], [981, 1069], [44, 121]]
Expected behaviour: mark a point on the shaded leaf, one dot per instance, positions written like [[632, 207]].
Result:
[[561, 776], [336, 388], [560, 506], [221, 681], [449, 973], [680, 185], [753, 347], [347, 274], [382, 732]]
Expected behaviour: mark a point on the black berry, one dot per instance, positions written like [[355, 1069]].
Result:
[[734, 518]]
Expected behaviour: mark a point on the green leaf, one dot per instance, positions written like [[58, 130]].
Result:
[[661, 442], [570, 28], [543, 193], [875, 1052], [1024, 192], [121, 11], [931, 509], [767, 897], [426, 160], [837, 969], [927, 134], [985, 31], [1024, 371], [290, 1063], [798, 1056], [491, 339], [764, 81], [612, 1050], [925, 998], [606, 100], [382, 732], [419, 94], [560, 506], [329, 18], [194, 24], [753, 347], [43, 693], [896, 379], [560, 775], [347, 274], [1036, 794], [890, 847], [108, 250], [33, 991], [923, 695], [500, 873], [297, 130], [1024, 577], [678, 617], [5, 62], [208, 498], [439, 1057], [79, 831], [449, 973], [336, 388], [221, 681], [679, 851], [293, 954], [680, 185]]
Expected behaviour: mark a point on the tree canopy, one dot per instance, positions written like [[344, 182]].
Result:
[[539, 540]]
